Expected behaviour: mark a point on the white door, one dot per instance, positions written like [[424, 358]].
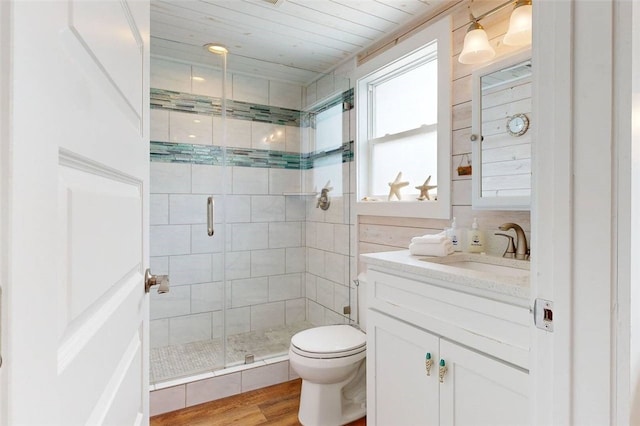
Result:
[[479, 390], [74, 338]]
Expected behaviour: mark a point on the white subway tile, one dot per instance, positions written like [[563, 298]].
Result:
[[249, 236], [315, 313], [189, 209], [335, 214], [331, 318], [267, 262], [250, 180], [190, 328], [238, 320], [213, 388], [165, 400], [169, 240], [311, 234], [159, 333], [208, 82], [159, 265], [159, 209], [174, 303], [268, 136], [310, 284], [336, 267], [207, 179], [293, 139], [341, 238], [170, 178], [295, 208], [295, 311], [217, 267], [295, 259], [340, 298], [238, 133], [285, 95], [267, 208], [268, 375], [190, 128], [267, 315], [250, 89], [238, 265], [206, 297], [170, 75], [315, 261], [285, 234], [216, 324], [238, 208], [201, 242], [324, 236], [159, 125], [284, 287], [284, 180], [249, 291], [190, 269], [325, 292]]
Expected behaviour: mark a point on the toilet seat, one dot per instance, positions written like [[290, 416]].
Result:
[[332, 341]]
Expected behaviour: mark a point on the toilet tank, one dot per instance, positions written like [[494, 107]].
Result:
[[362, 301]]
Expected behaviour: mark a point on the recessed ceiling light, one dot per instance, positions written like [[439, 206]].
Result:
[[216, 48]]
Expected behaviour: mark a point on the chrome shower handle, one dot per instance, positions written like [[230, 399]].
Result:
[[210, 204]]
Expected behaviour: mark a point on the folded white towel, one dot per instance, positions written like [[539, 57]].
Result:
[[443, 249], [430, 238]]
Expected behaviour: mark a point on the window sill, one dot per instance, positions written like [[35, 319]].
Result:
[[424, 209]]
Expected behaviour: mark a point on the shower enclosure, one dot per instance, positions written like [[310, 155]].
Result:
[[246, 158]]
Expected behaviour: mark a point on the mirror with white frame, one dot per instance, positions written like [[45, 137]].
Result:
[[501, 134]]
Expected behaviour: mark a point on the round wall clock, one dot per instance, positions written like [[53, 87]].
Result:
[[517, 125]]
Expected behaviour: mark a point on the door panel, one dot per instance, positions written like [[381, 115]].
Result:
[[77, 344]]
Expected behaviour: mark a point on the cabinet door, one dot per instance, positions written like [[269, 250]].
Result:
[[399, 391], [479, 390]]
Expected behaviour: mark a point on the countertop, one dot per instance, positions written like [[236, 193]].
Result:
[[437, 268]]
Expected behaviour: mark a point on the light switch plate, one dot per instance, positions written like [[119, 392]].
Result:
[[543, 314]]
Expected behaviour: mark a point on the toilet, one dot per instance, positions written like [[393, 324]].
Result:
[[331, 362]]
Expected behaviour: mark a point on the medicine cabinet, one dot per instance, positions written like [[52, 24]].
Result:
[[501, 137]]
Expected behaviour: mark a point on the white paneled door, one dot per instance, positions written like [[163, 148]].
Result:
[[74, 343]]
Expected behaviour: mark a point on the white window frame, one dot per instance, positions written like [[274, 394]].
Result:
[[387, 64]]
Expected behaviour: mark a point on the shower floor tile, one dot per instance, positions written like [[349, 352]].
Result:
[[171, 362]]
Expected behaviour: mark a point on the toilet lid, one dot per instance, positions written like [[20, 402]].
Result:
[[329, 339]]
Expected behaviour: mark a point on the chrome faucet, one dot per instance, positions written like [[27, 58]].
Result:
[[522, 249]]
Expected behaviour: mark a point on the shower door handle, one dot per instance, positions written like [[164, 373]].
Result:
[[210, 204]]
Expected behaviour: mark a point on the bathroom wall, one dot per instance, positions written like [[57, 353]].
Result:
[[394, 233], [265, 230], [330, 233], [286, 260]]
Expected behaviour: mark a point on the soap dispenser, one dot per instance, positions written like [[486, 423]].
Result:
[[454, 235], [475, 238]]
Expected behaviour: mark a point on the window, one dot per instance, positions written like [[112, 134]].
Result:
[[404, 125]]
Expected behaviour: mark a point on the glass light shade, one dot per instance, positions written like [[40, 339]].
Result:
[[519, 33], [476, 48], [216, 48]]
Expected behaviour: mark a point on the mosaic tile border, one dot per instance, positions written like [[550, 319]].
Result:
[[169, 152], [200, 104]]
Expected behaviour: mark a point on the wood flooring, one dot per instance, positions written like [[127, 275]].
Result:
[[274, 405]]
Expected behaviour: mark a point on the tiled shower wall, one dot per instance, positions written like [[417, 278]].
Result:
[[285, 260]]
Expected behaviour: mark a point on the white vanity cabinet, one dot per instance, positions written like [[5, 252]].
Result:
[[483, 342]]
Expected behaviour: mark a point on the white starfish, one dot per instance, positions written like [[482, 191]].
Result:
[[394, 187], [424, 189]]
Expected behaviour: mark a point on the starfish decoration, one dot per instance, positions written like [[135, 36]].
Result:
[[394, 187], [424, 189]]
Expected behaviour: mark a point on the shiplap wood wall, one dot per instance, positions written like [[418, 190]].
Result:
[[394, 233]]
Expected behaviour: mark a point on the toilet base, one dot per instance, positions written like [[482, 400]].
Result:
[[330, 405]]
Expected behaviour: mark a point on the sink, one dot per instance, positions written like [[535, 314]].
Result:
[[496, 266]]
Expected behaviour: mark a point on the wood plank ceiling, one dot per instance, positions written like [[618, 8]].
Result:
[[293, 40]]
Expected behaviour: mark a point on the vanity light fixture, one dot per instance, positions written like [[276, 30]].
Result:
[[519, 33], [216, 48], [477, 49]]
